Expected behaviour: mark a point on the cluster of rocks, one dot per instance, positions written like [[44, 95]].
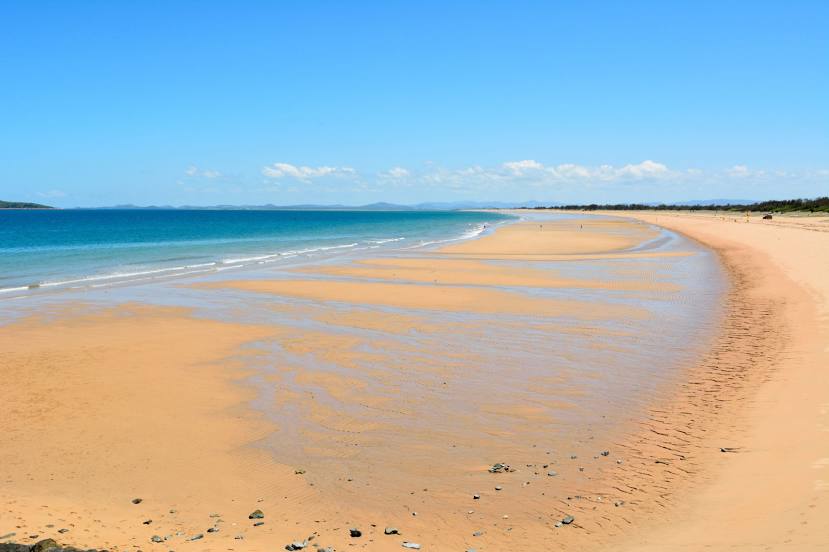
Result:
[[46, 545]]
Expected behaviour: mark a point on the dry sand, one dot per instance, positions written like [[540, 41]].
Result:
[[105, 405], [772, 492]]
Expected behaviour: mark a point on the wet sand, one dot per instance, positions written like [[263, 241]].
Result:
[[384, 383], [769, 395]]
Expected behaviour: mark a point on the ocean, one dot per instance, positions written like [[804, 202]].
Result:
[[82, 248]]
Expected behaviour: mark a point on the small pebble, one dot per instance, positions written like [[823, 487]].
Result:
[[137, 501], [256, 514], [355, 532], [258, 523], [391, 531], [568, 520], [412, 545], [498, 487]]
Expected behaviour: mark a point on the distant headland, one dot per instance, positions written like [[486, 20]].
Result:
[[22, 205]]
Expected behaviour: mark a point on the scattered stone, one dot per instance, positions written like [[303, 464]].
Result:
[[44, 545], [391, 531], [355, 532], [147, 521], [324, 549], [498, 487], [63, 530], [300, 471], [476, 497], [196, 537], [471, 550], [413, 545], [477, 533], [605, 453], [296, 545], [214, 515], [173, 511], [500, 468], [239, 537], [137, 500], [213, 530], [156, 538], [729, 449], [573, 457], [258, 523], [552, 473], [619, 503], [256, 514], [568, 520], [558, 524]]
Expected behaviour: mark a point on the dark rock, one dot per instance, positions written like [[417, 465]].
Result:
[[63, 530], [499, 468], [13, 547], [391, 531], [137, 500], [213, 530], [498, 487], [476, 497], [605, 453], [156, 538], [256, 514], [196, 537], [147, 521], [355, 532], [44, 545], [258, 523], [568, 520]]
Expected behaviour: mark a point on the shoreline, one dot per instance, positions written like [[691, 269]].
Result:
[[641, 455], [756, 487]]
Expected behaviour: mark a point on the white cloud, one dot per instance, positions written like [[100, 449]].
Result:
[[395, 172], [286, 170], [52, 194], [738, 171], [520, 167], [194, 171]]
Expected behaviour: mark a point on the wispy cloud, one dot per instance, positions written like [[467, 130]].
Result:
[[51, 194], [304, 173], [395, 173], [194, 171]]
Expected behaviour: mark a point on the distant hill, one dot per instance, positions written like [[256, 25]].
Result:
[[22, 205], [435, 206]]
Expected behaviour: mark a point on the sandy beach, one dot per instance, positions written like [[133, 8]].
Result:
[[377, 392]]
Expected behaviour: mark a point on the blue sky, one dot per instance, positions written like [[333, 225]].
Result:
[[353, 102]]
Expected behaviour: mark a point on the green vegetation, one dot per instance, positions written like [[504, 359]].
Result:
[[22, 205], [818, 205]]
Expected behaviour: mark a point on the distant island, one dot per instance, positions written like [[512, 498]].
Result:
[[22, 205], [817, 205]]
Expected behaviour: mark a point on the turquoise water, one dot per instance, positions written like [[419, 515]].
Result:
[[78, 248]]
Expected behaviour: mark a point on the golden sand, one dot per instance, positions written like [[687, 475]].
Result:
[[105, 405]]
